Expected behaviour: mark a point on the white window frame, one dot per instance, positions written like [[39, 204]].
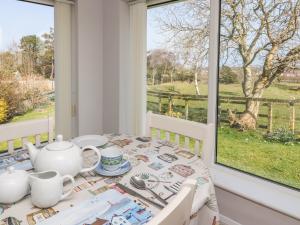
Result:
[[267, 193]]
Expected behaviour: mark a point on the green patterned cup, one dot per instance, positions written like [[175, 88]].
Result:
[[111, 158]]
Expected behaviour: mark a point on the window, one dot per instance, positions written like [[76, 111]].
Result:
[[258, 91], [177, 59], [26, 64]]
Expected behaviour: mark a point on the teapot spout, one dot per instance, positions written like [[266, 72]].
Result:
[[32, 151]]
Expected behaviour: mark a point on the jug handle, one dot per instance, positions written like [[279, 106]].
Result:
[[98, 161], [68, 177]]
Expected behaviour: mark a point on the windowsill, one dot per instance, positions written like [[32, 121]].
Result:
[[274, 196]]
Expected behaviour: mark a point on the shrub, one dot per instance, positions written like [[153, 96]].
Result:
[[11, 93], [228, 76], [173, 114], [21, 96], [281, 135], [3, 111]]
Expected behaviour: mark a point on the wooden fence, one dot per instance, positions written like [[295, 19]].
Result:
[[270, 103]]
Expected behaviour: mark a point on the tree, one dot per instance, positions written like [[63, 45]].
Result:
[[228, 76], [256, 29], [260, 32], [189, 37], [161, 62], [47, 59], [30, 47], [8, 65]]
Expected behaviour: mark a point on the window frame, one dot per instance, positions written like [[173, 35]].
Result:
[[255, 188], [265, 192]]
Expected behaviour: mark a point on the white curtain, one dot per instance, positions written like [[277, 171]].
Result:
[[138, 66], [63, 67]]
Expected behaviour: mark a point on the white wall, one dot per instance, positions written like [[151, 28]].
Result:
[[246, 212], [102, 63], [90, 66], [111, 65], [115, 61]]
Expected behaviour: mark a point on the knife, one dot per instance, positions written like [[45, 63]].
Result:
[[169, 189], [135, 194]]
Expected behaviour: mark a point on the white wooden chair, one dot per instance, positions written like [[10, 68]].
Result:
[[189, 129], [178, 211], [12, 131]]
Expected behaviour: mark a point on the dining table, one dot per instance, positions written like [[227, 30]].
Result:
[[163, 165]]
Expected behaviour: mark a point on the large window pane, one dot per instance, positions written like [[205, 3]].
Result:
[[259, 76], [177, 67], [26, 63]]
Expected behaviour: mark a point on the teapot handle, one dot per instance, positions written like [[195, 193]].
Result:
[[98, 161], [69, 177]]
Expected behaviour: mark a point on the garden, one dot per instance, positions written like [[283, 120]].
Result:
[[274, 156]]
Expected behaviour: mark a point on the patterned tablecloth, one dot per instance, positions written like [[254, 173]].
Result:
[[153, 161]]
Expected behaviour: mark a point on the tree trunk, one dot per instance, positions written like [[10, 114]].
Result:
[[196, 83], [248, 119], [52, 70], [153, 76]]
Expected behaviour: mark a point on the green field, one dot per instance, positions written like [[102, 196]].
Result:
[[247, 151]]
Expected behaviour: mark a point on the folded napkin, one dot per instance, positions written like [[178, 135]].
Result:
[[202, 195]]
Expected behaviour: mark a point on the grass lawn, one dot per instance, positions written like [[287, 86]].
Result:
[[39, 113], [225, 90], [247, 151]]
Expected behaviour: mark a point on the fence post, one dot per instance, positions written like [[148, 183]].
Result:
[[159, 104], [270, 118], [292, 114], [186, 106], [219, 115], [170, 104]]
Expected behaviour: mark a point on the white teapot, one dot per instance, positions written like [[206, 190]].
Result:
[[62, 156]]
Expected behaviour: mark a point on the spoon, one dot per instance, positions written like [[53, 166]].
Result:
[[140, 184]]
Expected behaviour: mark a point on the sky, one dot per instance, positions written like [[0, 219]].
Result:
[[18, 19], [154, 37]]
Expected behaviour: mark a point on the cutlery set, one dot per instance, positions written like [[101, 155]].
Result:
[[140, 184]]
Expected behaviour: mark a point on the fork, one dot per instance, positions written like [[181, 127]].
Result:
[[174, 189]]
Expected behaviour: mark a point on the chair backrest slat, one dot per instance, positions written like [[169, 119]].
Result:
[[177, 139], [167, 136], [197, 148], [37, 140], [187, 142], [158, 135], [24, 141], [10, 146]]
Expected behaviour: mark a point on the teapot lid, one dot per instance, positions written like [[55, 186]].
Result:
[[12, 174], [59, 144]]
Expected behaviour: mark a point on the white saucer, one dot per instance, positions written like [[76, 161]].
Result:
[[95, 140], [122, 170]]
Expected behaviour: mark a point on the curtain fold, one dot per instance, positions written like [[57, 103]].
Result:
[[63, 67], [138, 65]]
